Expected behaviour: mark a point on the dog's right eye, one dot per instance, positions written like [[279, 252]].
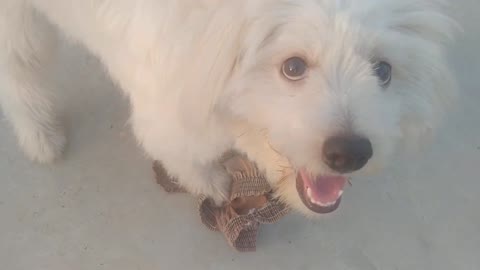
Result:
[[294, 68], [383, 71]]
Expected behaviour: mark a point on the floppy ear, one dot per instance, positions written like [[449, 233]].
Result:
[[214, 52], [432, 27]]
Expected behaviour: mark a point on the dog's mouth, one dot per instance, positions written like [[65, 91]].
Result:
[[320, 194]]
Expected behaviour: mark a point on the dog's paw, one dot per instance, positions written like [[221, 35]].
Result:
[[220, 187], [212, 182], [43, 145]]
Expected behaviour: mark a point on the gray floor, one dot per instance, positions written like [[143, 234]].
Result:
[[100, 209]]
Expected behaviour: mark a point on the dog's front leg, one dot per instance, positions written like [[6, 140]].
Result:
[[209, 179], [256, 146]]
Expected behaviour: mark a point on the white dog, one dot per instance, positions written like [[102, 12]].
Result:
[[311, 90]]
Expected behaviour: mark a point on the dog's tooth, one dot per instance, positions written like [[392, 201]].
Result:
[[328, 204], [309, 192], [340, 193], [324, 204]]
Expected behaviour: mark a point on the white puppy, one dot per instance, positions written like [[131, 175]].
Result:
[[312, 90]]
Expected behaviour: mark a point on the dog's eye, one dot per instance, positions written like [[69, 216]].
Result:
[[294, 68], [383, 71]]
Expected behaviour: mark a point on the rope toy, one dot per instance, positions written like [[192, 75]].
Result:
[[250, 204]]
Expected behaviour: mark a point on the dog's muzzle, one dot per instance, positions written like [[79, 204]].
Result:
[[343, 154]]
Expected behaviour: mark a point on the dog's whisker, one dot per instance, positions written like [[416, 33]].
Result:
[[242, 134], [273, 148], [264, 132], [285, 177]]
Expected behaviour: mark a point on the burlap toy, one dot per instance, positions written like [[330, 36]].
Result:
[[250, 205]]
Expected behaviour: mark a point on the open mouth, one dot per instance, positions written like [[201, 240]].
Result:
[[321, 194]]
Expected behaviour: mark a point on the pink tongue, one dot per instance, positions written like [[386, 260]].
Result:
[[324, 189]]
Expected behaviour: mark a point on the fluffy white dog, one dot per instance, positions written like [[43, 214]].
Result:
[[311, 90]]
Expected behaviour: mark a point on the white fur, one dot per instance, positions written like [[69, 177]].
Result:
[[203, 76]]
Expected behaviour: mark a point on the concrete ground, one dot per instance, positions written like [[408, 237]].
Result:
[[99, 208]]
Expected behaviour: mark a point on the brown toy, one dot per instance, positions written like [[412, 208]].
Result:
[[250, 205]]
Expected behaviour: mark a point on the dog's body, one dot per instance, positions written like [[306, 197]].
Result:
[[205, 76]]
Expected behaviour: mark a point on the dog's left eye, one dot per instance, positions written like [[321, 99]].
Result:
[[294, 68], [383, 71]]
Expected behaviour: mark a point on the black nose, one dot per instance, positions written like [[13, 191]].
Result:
[[347, 153]]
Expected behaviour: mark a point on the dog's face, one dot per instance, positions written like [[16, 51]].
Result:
[[336, 85]]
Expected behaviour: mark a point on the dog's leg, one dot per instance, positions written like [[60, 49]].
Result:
[[257, 148], [27, 45], [201, 179], [190, 158]]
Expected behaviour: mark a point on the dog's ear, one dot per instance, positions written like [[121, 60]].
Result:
[[429, 19], [215, 50], [431, 24]]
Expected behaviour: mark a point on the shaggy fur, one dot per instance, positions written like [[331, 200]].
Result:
[[204, 76]]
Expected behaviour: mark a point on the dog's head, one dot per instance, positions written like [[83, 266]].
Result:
[[336, 85]]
